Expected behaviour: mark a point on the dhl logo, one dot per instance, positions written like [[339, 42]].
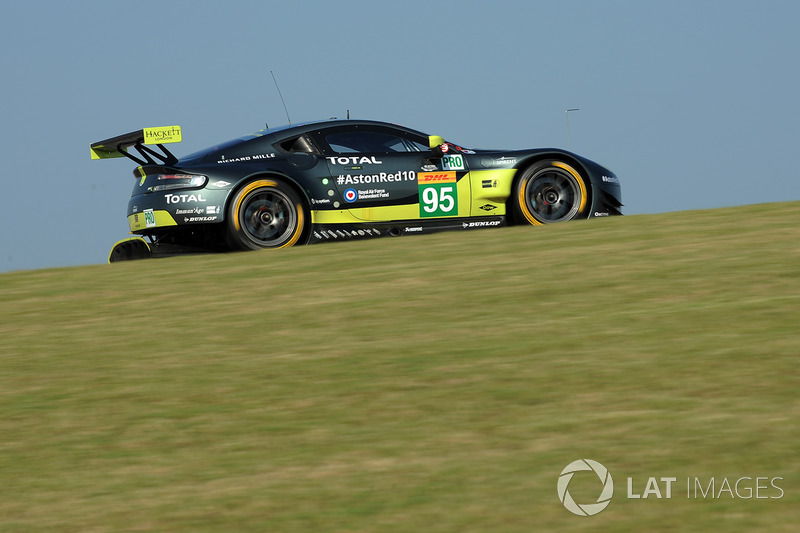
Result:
[[436, 177]]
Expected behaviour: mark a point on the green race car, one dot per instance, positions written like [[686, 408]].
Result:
[[340, 180]]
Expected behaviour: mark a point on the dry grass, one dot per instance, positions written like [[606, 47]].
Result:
[[425, 384]]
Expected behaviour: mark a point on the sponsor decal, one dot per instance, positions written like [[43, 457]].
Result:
[[481, 224], [350, 195], [504, 161], [213, 210], [255, 157], [221, 183], [149, 218], [488, 207], [163, 135], [184, 198], [415, 229], [437, 177], [453, 162], [489, 184], [599, 214], [194, 211], [372, 194], [438, 194], [429, 168], [610, 179], [354, 160], [447, 146], [346, 233], [381, 177], [323, 201], [199, 219]]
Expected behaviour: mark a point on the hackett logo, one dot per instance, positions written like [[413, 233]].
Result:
[[166, 134]]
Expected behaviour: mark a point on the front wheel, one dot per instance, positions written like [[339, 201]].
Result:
[[265, 213], [550, 191]]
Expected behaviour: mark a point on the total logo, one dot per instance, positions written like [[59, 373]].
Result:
[[350, 195], [354, 160], [182, 198]]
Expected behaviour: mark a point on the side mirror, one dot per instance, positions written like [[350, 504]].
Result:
[[435, 143]]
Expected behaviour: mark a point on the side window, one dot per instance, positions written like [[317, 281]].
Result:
[[349, 142], [298, 144]]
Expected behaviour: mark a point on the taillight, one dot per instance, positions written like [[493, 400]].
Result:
[[177, 181]]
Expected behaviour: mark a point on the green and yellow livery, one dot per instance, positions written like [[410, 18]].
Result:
[[341, 180]]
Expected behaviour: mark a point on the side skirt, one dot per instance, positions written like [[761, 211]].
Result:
[[366, 230]]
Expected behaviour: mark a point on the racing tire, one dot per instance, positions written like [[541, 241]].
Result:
[[265, 213], [129, 250], [548, 192]]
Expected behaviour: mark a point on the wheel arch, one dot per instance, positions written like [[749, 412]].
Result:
[[534, 159], [283, 178]]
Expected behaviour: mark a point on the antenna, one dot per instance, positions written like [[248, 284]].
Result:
[[279, 94], [566, 115]]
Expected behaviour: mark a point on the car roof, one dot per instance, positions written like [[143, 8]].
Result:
[[303, 127], [285, 132]]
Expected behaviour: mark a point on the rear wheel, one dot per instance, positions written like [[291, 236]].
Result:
[[550, 191], [265, 213]]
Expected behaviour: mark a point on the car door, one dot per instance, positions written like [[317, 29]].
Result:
[[385, 174]]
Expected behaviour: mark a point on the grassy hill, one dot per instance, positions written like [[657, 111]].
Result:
[[430, 383]]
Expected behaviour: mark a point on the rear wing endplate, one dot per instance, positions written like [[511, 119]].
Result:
[[118, 146]]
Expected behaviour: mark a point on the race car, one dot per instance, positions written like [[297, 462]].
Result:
[[339, 180]]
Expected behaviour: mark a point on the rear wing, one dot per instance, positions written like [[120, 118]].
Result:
[[118, 146]]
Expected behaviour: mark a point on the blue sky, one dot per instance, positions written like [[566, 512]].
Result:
[[694, 104]]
